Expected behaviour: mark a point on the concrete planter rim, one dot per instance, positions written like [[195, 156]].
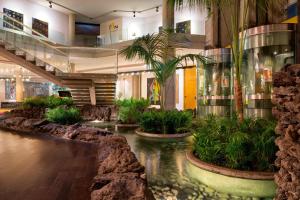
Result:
[[127, 125], [163, 136], [252, 175]]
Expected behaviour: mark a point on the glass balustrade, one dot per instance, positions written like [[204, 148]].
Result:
[[33, 45]]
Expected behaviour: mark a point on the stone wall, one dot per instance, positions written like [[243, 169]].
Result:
[[286, 97]]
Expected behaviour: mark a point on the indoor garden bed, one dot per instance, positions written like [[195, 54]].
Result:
[[165, 124], [235, 157]]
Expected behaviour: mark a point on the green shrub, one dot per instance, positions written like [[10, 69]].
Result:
[[55, 101], [167, 122], [63, 116], [247, 145], [46, 102], [31, 102], [130, 110]]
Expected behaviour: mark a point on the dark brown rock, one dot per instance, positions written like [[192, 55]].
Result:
[[92, 112], [286, 97], [32, 113], [115, 186]]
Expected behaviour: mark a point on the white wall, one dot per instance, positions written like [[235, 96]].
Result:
[[180, 104], [58, 22], [197, 17], [124, 87]]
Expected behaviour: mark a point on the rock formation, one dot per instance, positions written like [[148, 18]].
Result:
[[120, 176], [91, 112], [286, 97]]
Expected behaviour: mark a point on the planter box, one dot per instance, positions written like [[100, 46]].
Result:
[[166, 136], [230, 181]]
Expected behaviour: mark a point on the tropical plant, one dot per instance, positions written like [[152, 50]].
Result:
[[236, 26], [63, 115], [46, 102], [166, 122], [156, 50], [228, 142], [130, 110]]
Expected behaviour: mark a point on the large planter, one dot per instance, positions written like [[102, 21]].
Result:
[[160, 135], [230, 181]]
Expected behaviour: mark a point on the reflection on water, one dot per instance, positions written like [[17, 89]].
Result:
[[165, 164]]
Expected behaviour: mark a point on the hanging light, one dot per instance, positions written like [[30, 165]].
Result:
[[133, 13], [50, 4]]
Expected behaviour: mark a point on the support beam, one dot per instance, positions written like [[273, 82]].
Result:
[[93, 94], [168, 23]]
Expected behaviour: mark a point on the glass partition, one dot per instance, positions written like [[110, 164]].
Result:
[[266, 52], [215, 84]]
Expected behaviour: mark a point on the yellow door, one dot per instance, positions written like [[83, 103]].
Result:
[[190, 88]]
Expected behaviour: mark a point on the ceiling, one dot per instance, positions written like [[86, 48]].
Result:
[[96, 8]]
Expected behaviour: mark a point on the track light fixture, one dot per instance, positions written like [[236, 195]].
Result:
[[50, 4], [133, 13], [157, 9]]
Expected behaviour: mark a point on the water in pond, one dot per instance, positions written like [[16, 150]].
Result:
[[165, 163]]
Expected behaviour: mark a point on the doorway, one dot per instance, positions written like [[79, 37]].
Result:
[[190, 88]]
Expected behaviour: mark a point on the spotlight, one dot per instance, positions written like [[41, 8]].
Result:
[[50, 4], [157, 9], [133, 13]]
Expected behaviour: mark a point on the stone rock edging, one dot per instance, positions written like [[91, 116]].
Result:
[[286, 97], [163, 136], [119, 176], [227, 171], [127, 125]]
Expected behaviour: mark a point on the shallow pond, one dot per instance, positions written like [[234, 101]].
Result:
[[166, 167]]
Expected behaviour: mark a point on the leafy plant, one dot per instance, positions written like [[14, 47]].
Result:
[[46, 102], [155, 50], [55, 101], [166, 122], [130, 110], [246, 145], [63, 115], [236, 26], [32, 102]]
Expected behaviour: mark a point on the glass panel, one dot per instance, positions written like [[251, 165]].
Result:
[[258, 68]]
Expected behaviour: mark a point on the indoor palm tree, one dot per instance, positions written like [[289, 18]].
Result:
[[236, 28], [157, 52]]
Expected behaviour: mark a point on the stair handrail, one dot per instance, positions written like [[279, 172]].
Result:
[[32, 36]]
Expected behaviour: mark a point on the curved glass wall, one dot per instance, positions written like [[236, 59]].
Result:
[[215, 84], [267, 50]]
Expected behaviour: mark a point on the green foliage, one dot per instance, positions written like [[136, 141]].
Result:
[[54, 101], [130, 110], [154, 50], [33, 102], [166, 122], [63, 116], [246, 145], [47, 102]]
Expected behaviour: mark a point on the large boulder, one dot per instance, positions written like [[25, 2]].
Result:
[[30, 113], [116, 186], [83, 133], [92, 112]]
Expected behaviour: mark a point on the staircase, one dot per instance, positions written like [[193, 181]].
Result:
[[43, 59]]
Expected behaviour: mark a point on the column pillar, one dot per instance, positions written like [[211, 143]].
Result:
[[71, 36], [168, 23], [19, 85], [72, 68], [136, 86]]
